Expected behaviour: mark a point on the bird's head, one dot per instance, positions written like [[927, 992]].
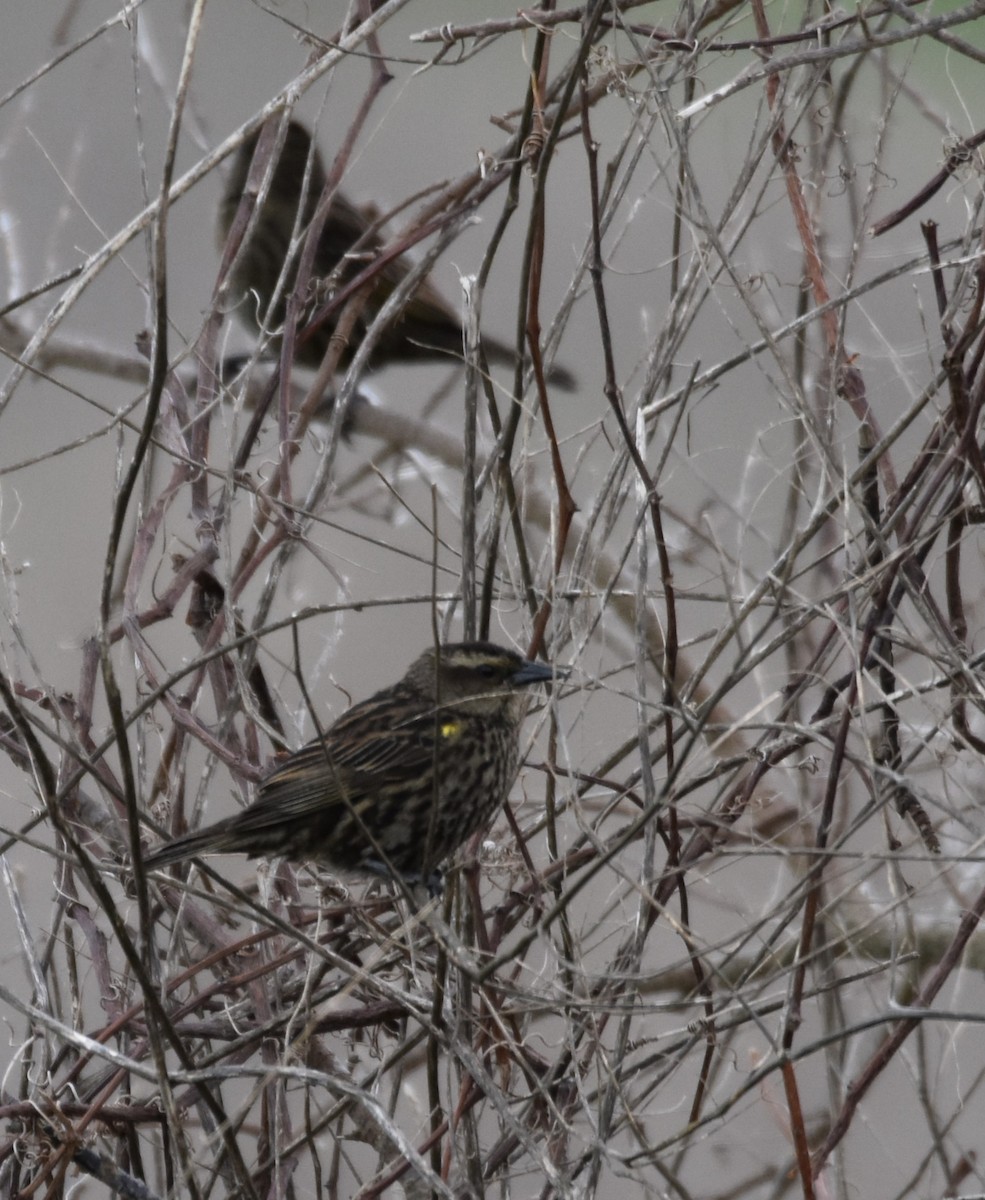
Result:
[[477, 676]]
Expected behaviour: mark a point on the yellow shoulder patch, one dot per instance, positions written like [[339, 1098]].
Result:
[[450, 729]]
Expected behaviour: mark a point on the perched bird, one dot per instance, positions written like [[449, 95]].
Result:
[[400, 781], [427, 328]]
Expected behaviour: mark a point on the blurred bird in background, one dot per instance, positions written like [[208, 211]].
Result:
[[427, 327]]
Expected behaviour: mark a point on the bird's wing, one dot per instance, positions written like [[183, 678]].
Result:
[[382, 737], [358, 757]]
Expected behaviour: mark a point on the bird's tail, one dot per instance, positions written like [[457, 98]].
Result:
[[213, 840]]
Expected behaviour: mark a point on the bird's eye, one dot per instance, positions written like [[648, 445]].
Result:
[[486, 670]]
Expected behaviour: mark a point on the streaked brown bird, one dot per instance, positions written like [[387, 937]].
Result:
[[427, 328], [400, 781]]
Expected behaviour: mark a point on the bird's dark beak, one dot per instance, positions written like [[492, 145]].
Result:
[[535, 672]]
